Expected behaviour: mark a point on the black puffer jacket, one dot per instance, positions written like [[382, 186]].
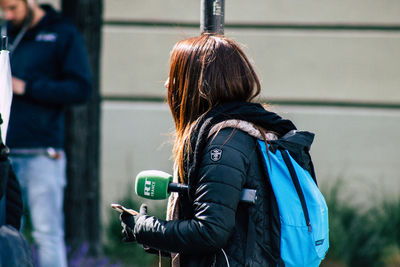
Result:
[[212, 221], [219, 187]]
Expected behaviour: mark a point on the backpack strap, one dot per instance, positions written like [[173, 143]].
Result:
[[298, 143], [297, 186]]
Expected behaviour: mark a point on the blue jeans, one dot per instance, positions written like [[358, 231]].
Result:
[[42, 180]]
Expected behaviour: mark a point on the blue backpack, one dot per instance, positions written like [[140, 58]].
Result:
[[303, 213]]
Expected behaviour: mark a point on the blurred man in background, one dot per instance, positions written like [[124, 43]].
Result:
[[50, 71]]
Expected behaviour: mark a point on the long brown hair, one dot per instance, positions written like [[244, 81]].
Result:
[[205, 71]]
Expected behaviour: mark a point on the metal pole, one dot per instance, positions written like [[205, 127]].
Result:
[[4, 43], [212, 16]]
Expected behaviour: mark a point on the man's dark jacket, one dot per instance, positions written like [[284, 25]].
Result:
[[52, 60], [211, 216]]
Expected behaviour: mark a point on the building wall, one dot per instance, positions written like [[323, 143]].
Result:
[[331, 66]]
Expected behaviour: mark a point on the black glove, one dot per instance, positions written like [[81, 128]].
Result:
[[128, 223]]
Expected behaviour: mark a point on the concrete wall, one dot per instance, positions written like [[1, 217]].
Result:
[[297, 65], [259, 11]]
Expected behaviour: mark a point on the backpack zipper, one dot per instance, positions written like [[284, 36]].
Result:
[[296, 183]]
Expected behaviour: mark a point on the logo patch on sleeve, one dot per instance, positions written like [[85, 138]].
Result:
[[216, 154]]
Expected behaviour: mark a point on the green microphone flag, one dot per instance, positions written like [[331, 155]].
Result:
[[153, 184]]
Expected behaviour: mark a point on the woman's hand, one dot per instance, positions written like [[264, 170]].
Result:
[[18, 86], [128, 223]]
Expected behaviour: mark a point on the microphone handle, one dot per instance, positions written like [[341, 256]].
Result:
[[176, 187]]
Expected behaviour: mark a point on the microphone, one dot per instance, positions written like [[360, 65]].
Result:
[[153, 184], [157, 185]]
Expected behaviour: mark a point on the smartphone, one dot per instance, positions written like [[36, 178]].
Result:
[[121, 209]]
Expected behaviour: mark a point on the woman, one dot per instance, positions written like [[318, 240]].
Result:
[[211, 83]]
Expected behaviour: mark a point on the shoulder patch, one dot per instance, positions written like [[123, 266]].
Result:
[[216, 154]]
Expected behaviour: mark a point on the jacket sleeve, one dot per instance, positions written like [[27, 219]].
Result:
[[216, 199], [73, 85]]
